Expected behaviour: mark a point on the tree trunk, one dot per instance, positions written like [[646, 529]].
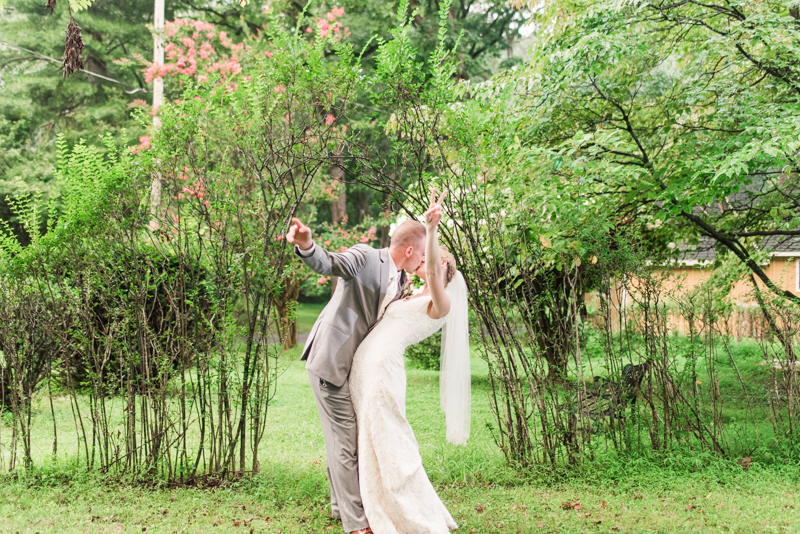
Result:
[[338, 206], [287, 322], [385, 229]]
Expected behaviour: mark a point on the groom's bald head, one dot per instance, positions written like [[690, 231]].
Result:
[[407, 248], [408, 234]]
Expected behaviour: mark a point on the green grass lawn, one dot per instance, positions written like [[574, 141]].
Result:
[[307, 313], [690, 493]]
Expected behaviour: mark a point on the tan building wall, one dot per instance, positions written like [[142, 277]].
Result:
[[746, 319]]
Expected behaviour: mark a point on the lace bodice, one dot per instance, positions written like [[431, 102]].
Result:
[[405, 323]]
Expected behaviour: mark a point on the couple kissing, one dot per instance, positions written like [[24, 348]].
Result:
[[355, 361]]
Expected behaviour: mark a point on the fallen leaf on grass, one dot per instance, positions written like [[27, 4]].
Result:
[[637, 495], [614, 528], [480, 508], [572, 505], [691, 507], [603, 504], [745, 462], [720, 505]]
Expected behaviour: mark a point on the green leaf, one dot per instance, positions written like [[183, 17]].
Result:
[[78, 5]]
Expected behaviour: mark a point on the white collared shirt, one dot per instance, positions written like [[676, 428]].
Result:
[[391, 289]]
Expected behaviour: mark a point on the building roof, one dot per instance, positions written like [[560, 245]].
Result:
[[706, 249]]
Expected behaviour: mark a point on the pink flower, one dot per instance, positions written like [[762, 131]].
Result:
[[280, 89], [268, 53], [223, 35], [188, 43], [150, 73], [321, 280], [342, 249], [328, 243], [210, 35], [175, 219], [338, 11], [324, 26], [331, 17], [206, 50], [329, 120], [207, 204], [364, 239], [169, 47], [144, 142], [309, 30]]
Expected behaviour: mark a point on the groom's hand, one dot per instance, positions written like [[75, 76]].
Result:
[[299, 234]]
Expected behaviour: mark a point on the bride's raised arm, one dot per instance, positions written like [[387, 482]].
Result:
[[440, 301]]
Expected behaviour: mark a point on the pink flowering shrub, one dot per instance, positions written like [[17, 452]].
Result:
[[329, 25], [195, 49]]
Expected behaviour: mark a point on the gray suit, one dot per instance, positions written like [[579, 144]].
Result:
[[364, 274]]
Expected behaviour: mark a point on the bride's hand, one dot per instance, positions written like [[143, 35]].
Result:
[[434, 214]]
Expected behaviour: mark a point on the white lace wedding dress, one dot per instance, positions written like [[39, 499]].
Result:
[[397, 495]]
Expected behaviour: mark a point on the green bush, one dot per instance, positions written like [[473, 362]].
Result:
[[427, 353]]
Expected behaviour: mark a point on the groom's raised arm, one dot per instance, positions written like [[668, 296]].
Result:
[[345, 264]]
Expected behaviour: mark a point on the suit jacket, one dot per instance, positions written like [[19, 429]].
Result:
[[353, 308]]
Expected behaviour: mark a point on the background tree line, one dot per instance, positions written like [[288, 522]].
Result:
[[634, 132]]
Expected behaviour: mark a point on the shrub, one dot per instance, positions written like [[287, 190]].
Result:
[[427, 353]]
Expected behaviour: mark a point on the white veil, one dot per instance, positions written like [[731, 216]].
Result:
[[455, 380]]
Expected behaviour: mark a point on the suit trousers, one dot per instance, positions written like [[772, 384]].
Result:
[[341, 443]]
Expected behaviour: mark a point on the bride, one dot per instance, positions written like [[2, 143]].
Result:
[[398, 497]]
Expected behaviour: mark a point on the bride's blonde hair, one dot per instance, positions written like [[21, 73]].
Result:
[[451, 265]]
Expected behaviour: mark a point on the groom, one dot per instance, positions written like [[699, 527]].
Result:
[[370, 280]]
